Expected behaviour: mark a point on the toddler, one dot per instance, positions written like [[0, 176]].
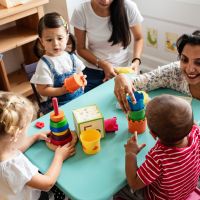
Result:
[[172, 167], [55, 63], [19, 178]]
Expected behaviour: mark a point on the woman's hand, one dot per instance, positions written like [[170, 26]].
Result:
[[123, 86], [65, 151], [132, 147], [83, 78], [108, 69]]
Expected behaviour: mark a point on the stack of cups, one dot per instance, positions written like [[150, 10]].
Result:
[[136, 117]]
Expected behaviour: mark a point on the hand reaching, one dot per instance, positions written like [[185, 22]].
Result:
[[65, 151], [132, 146], [43, 136], [109, 71]]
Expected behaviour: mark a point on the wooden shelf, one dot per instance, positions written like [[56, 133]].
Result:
[[16, 37], [19, 83]]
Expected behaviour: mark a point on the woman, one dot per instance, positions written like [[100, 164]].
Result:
[[108, 25], [183, 76]]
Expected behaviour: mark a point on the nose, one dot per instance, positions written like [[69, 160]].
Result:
[[191, 67], [55, 42]]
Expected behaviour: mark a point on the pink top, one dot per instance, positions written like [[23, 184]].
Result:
[[171, 172]]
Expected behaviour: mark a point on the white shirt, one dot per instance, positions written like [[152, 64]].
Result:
[[61, 64], [98, 30], [14, 174]]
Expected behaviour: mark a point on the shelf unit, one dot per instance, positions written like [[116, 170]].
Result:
[[22, 34]]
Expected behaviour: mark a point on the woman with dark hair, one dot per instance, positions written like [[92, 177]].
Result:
[[108, 25], [183, 75]]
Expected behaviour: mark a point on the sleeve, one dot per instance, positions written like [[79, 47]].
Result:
[[20, 172], [163, 77], [78, 18], [42, 74], [133, 13], [79, 64], [149, 170]]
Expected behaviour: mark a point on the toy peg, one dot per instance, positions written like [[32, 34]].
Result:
[[55, 106]]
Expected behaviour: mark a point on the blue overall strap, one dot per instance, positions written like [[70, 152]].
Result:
[[49, 64], [73, 61]]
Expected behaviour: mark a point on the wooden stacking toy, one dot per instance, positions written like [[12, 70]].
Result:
[[136, 117], [60, 132], [73, 83]]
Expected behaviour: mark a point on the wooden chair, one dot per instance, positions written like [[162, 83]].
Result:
[[30, 70]]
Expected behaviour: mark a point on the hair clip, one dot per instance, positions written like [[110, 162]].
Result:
[[63, 21]]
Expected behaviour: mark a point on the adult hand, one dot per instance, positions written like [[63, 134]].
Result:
[[123, 87], [65, 151], [132, 146], [136, 68], [109, 70], [83, 78]]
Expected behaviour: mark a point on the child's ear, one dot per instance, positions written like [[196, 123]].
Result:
[[153, 135]]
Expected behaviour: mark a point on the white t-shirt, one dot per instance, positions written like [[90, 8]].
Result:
[[61, 64], [14, 174], [98, 30]]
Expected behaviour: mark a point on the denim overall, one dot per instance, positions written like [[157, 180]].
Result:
[[59, 81]]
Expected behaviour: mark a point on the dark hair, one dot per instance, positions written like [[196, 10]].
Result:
[[72, 41], [49, 20], [120, 26], [170, 118], [192, 39]]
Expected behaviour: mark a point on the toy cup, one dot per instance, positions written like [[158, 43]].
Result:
[[90, 140], [139, 126], [73, 83]]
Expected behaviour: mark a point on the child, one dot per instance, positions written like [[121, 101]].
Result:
[[172, 167], [55, 63], [19, 178]]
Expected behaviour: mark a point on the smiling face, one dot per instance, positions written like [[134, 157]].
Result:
[[190, 63], [103, 3], [54, 40]]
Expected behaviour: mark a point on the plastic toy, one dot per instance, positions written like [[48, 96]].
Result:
[[111, 124], [124, 70], [136, 117], [60, 132], [39, 124], [73, 82]]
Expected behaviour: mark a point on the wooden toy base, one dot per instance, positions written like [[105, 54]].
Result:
[[73, 142]]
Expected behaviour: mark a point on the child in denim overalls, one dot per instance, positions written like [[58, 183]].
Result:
[[55, 63]]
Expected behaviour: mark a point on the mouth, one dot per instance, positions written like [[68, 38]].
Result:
[[192, 76]]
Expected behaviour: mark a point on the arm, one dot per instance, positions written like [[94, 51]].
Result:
[[46, 181], [49, 91], [132, 149], [138, 45], [90, 57], [29, 140]]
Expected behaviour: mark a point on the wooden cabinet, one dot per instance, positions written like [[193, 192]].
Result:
[[22, 33]]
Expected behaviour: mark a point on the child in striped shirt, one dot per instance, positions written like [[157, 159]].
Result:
[[172, 167]]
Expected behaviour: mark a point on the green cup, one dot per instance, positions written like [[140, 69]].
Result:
[[136, 115]]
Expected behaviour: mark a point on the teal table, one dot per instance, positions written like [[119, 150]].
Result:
[[99, 176]]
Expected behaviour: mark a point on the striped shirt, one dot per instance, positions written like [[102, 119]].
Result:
[[171, 172]]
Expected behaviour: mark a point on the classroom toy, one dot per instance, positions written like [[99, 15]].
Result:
[[60, 132], [73, 83], [111, 125], [39, 124], [136, 117], [124, 70], [88, 117]]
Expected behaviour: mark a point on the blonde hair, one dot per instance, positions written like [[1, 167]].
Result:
[[16, 112]]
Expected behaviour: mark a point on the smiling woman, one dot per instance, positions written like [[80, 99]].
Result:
[[183, 75]]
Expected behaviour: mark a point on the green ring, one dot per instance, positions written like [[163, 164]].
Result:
[[58, 124], [136, 115]]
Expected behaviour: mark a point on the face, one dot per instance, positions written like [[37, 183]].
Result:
[[190, 63], [54, 40], [103, 3]]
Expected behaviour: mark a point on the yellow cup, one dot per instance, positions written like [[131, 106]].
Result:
[[90, 140]]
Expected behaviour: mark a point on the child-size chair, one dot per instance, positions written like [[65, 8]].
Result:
[[30, 70]]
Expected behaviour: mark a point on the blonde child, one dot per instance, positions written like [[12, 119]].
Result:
[[55, 62], [19, 178], [172, 167]]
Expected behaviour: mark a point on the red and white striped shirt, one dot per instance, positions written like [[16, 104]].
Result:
[[171, 172]]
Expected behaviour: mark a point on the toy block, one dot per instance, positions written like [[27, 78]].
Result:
[[88, 117]]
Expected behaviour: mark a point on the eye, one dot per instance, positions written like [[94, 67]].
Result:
[[184, 59], [49, 40], [60, 38], [197, 62]]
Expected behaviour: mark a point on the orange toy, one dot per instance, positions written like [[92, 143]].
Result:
[[74, 82], [139, 126]]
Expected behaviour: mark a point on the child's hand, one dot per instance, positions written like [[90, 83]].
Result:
[[65, 151], [83, 77], [43, 136], [132, 146]]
